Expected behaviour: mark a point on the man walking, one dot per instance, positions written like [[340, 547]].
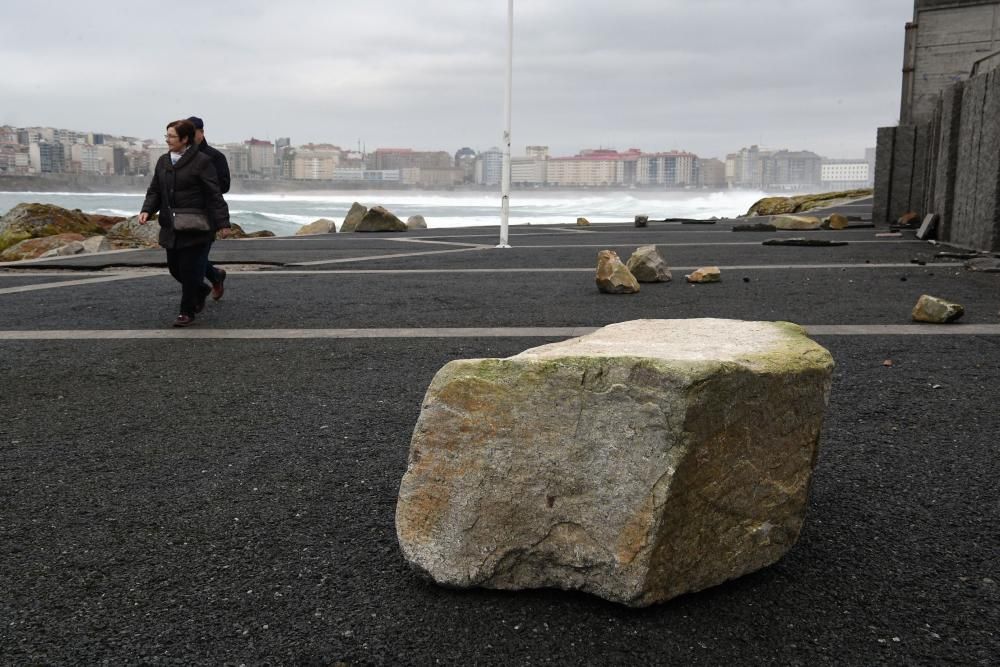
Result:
[[215, 275]]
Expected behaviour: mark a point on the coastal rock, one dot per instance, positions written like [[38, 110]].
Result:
[[378, 219], [27, 221], [416, 222], [321, 226], [648, 266], [613, 277], [641, 220], [105, 222], [835, 221], [932, 309], [808, 202], [795, 222], [582, 222], [96, 244], [130, 232], [71, 248], [983, 264], [262, 234], [353, 218], [36, 247], [706, 274], [235, 232], [646, 460]]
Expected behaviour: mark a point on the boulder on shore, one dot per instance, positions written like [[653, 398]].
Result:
[[353, 217], [27, 221], [795, 222], [802, 203], [613, 277], [646, 460], [36, 247], [321, 226], [131, 233], [416, 222], [378, 219], [648, 266], [582, 222]]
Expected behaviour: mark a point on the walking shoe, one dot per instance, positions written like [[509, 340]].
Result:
[[217, 288], [184, 320]]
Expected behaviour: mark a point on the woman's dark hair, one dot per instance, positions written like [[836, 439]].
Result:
[[184, 128]]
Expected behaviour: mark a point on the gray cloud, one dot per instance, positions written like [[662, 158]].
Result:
[[708, 76]]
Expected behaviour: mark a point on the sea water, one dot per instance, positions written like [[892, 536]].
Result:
[[284, 213]]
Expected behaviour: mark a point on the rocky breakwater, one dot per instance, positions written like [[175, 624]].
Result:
[[25, 222], [801, 203], [646, 460]]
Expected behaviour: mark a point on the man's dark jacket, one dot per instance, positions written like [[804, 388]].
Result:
[[220, 162], [189, 184]]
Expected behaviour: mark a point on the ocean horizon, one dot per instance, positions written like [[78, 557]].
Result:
[[284, 213]]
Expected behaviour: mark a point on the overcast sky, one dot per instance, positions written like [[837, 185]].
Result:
[[707, 76]]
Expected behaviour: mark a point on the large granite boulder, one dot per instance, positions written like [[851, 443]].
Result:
[[130, 232], [612, 276], [378, 219], [648, 266], [353, 218], [646, 460], [28, 221], [321, 226], [37, 247]]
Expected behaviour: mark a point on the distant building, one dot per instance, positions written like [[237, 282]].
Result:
[[537, 152], [47, 157], [430, 178], [260, 162], [845, 174], [671, 170], [400, 158], [489, 167], [792, 170], [465, 160], [238, 157], [590, 168], [711, 173], [529, 171]]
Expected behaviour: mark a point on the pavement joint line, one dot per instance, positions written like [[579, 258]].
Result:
[[369, 258], [680, 245], [745, 267], [461, 332], [70, 283]]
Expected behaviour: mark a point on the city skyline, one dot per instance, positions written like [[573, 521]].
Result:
[[703, 78]]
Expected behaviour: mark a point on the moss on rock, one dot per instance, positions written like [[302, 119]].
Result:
[[32, 220], [800, 203]]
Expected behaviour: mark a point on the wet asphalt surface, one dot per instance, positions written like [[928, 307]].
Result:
[[232, 502]]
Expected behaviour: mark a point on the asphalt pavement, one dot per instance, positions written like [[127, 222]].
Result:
[[225, 494]]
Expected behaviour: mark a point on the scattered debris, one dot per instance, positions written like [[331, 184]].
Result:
[[641, 220], [888, 235], [648, 266], [613, 277], [933, 309], [957, 255], [755, 227], [835, 221], [799, 241], [746, 279], [696, 222], [918, 261], [984, 264], [887, 363], [706, 274], [909, 220], [929, 227]]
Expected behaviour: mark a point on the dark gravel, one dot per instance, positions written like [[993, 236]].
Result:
[[209, 502]]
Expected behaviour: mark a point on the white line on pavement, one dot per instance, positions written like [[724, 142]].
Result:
[[71, 283], [460, 332]]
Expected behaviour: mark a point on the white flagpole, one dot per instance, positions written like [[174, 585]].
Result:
[[505, 186]]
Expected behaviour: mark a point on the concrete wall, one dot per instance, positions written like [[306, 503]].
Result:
[[942, 43], [975, 219]]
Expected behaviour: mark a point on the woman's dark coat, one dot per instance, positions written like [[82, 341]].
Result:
[[190, 184]]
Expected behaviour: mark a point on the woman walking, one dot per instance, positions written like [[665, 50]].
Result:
[[185, 192]]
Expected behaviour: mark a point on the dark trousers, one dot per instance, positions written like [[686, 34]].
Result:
[[188, 267], [212, 273]]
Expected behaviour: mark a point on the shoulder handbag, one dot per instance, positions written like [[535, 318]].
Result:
[[191, 220]]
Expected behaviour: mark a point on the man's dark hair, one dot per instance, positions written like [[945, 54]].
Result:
[[184, 128], [199, 124]]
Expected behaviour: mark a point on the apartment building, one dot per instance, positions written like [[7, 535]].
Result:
[[672, 169], [260, 158], [591, 168], [845, 174]]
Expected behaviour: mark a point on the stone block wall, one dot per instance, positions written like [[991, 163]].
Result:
[[949, 165]]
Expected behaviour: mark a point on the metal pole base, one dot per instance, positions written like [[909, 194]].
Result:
[[501, 245]]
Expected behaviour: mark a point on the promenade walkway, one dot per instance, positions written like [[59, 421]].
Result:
[[226, 493]]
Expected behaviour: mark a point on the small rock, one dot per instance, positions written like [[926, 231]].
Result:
[[416, 222], [933, 309], [582, 221], [835, 221], [262, 234], [887, 363], [648, 266], [96, 244], [641, 220], [908, 220], [613, 277], [706, 274]]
